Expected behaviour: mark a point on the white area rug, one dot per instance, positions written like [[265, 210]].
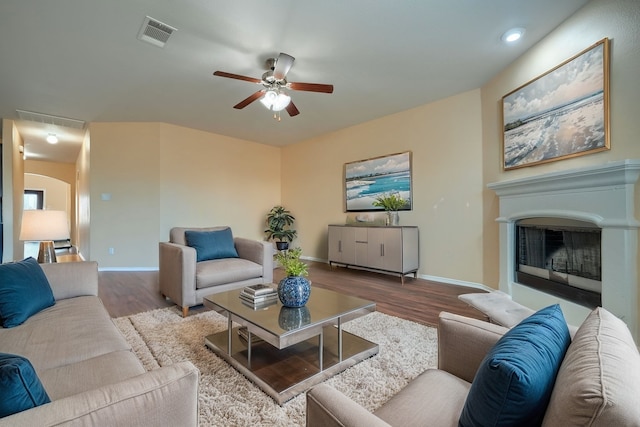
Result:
[[162, 337]]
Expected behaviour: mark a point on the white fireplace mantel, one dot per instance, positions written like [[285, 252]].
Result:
[[603, 195]]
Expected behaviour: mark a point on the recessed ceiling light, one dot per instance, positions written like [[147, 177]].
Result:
[[512, 35], [52, 138]]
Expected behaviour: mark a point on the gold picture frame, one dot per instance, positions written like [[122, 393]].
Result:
[[561, 114]]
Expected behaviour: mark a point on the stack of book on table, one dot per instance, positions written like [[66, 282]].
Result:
[[259, 296]]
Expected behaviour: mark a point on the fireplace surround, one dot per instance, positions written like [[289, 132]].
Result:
[[602, 196]]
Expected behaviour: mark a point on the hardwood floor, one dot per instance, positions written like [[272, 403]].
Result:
[[126, 293]]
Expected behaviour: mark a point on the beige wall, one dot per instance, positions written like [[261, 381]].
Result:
[[617, 20], [124, 168], [208, 179], [445, 140], [61, 171], [159, 176]]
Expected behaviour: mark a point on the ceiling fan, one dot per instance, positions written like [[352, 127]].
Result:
[[275, 83]]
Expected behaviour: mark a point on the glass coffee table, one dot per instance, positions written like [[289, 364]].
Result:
[[285, 351]]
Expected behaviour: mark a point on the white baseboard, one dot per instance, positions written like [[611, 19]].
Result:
[[308, 258], [456, 282]]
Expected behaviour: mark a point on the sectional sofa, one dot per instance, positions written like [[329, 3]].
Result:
[[87, 368]]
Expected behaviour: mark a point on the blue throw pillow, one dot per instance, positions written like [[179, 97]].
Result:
[[211, 244], [514, 381], [24, 291], [20, 387]]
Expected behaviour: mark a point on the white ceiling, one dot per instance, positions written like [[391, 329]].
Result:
[[81, 59]]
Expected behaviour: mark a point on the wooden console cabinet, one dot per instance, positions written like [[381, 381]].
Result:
[[384, 249]]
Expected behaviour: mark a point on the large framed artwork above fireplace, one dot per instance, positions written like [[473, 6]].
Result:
[[582, 229]]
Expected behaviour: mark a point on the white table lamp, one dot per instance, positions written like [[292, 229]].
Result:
[[44, 226]]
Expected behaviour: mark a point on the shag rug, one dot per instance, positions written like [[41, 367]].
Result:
[[226, 398]]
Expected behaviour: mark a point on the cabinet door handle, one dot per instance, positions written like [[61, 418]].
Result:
[[381, 249], [339, 245]]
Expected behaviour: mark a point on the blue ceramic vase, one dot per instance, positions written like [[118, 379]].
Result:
[[294, 291]]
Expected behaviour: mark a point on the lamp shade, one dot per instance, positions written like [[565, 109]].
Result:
[[38, 225]]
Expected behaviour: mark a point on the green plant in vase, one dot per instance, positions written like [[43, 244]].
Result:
[[291, 262], [294, 290], [279, 223], [392, 203]]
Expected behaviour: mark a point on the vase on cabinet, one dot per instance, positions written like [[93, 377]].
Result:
[[393, 218]]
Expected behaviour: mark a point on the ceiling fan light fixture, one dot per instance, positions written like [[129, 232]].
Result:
[[274, 100], [281, 102], [269, 98]]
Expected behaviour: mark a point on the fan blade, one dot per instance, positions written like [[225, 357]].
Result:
[[240, 105], [292, 109], [283, 65], [311, 87], [237, 77]]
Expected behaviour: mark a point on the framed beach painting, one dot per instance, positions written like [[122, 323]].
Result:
[[365, 180], [563, 113]]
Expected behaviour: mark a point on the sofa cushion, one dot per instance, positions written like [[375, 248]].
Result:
[[434, 398], [514, 381], [24, 291], [211, 244], [95, 372], [20, 387], [73, 330], [598, 383], [223, 271]]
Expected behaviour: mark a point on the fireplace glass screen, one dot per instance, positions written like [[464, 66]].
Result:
[[560, 259]]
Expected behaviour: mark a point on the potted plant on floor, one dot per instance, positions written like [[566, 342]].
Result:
[[294, 290], [391, 203], [279, 223]]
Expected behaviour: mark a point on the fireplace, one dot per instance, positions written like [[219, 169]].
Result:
[[597, 199], [560, 257]]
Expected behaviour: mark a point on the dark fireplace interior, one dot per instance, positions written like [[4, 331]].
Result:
[[560, 257]]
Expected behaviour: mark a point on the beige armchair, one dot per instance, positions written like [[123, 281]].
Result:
[[186, 281], [434, 398], [598, 382]]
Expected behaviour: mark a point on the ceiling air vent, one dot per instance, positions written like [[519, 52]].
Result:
[[49, 119], [155, 32]]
